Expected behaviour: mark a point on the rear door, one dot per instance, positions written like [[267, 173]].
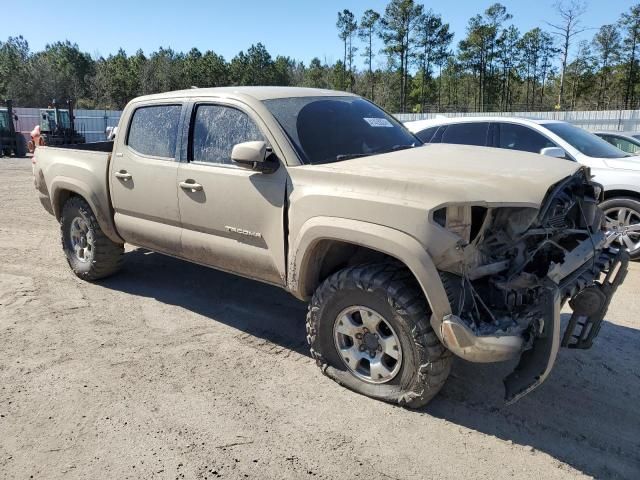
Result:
[[233, 218], [143, 177]]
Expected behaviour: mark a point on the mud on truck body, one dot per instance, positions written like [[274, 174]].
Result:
[[407, 254]]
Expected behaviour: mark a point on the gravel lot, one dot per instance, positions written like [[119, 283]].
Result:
[[171, 370]]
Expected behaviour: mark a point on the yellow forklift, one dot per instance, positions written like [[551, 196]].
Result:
[[57, 127]]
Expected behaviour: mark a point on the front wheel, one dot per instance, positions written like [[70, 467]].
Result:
[[622, 217], [368, 329], [90, 253]]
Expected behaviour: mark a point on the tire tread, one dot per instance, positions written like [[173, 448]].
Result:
[[108, 255], [406, 298]]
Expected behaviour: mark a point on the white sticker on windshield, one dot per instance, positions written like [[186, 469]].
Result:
[[378, 122]]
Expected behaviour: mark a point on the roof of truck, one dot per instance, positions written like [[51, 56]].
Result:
[[257, 93]]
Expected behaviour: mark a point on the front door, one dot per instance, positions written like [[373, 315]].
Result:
[[143, 179], [232, 218]]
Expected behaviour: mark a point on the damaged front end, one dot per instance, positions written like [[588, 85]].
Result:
[[512, 269]]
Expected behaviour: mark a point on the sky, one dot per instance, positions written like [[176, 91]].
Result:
[[301, 29]]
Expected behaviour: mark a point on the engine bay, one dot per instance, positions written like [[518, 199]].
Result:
[[498, 272]]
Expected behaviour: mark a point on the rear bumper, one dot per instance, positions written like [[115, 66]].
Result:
[[588, 282]]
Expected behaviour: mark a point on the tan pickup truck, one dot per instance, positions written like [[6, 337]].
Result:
[[407, 253]]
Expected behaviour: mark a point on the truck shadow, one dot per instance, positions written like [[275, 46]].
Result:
[[255, 308], [586, 414]]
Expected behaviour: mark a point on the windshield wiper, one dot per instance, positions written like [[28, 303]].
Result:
[[349, 156], [395, 148]]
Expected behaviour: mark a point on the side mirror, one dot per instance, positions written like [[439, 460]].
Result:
[[254, 156], [555, 152]]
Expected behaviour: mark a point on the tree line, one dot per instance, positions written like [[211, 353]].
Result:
[[408, 63]]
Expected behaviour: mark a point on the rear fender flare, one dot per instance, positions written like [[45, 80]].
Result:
[[60, 185]]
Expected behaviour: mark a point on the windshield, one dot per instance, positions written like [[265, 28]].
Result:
[[585, 142], [330, 129], [48, 122], [4, 120]]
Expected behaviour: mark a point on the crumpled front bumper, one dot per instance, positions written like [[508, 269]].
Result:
[[588, 278]]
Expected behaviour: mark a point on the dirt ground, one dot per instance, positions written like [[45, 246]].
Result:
[[171, 370]]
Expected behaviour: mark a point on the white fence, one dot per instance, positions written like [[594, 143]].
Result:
[[91, 123], [620, 120]]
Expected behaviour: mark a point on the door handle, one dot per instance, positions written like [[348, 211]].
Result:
[[123, 175], [190, 185]]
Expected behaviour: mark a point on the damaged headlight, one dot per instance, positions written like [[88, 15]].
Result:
[[483, 239], [464, 221]]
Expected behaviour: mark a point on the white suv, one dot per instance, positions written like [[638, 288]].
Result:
[[618, 172]]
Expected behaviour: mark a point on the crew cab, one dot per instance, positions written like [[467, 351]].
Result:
[[407, 255]]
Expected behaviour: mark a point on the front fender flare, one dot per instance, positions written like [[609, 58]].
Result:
[[394, 243]]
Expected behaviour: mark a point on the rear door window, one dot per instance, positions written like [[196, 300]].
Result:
[[467, 133], [153, 130], [525, 139]]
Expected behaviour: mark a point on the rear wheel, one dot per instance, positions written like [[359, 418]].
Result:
[[623, 219], [90, 253], [368, 329]]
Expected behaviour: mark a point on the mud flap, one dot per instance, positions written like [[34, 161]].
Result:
[[536, 363]]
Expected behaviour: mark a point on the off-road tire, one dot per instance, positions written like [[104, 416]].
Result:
[[392, 291], [624, 202], [107, 256]]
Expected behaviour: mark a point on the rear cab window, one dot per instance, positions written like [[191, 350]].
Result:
[[153, 130]]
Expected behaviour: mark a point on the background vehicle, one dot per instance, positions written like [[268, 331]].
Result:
[[406, 254], [57, 127], [627, 142], [615, 170], [11, 141]]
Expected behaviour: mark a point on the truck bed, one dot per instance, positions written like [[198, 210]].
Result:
[[82, 169]]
